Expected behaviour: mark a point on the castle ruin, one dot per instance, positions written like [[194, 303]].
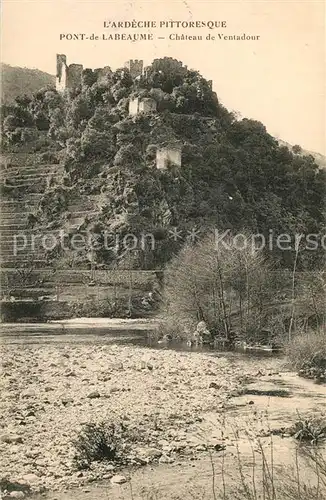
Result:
[[69, 77]]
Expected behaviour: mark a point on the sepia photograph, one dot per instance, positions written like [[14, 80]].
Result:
[[162, 251]]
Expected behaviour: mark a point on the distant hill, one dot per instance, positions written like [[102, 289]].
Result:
[[318, 157], [17, 81]]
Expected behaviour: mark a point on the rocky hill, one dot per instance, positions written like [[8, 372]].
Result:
[[117, 158]]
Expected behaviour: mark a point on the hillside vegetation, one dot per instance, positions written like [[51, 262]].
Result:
[[234, 175], [318, 157]]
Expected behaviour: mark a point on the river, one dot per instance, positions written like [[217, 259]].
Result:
[[71, 359]]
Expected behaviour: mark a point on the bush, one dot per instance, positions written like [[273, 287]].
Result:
[[49, 157], [95, 443], [307, 354], [119, 307], [311, 430], [99, 308]]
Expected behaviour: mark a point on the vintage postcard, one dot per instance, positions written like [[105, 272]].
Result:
[[163, 277]]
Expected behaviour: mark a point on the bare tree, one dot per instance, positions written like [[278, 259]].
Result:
[[226, 286]]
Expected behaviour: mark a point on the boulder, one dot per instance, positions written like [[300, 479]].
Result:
[[201, 334], [201, 327]]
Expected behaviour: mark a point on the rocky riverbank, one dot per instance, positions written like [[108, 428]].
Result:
[[163, 398], [50, 391]]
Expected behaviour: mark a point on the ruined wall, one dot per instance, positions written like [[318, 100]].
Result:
[[102, 73], [133, 107], [168, 155], [146, 105], [71, 76]]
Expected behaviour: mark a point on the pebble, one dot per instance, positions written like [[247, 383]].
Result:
[[165, 459], [118, 479], [11, 439], [30, 478], [94, 395], [17, 494], [149, 453], [29, 393], [32, 454], [67, 400]]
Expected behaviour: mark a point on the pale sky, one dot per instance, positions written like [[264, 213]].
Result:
[[278, 80]]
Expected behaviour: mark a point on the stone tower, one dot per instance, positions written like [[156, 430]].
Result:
[[67, 77], [135, 67], [61, 74]]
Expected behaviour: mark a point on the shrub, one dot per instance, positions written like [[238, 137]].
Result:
[[99, 308], [311, 430], [307, 354], [95, 443], [49, 156]]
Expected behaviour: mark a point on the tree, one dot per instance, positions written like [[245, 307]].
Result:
[[297, 149], [228, 287], [165, 73], [88, 77]]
